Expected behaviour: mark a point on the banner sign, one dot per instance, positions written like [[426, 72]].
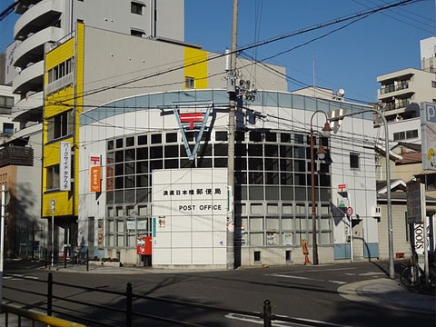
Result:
[[65, 167], [428, 135], [95, 179], [415, 201]]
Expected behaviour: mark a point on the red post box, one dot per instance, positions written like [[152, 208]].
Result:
[[143, 245]]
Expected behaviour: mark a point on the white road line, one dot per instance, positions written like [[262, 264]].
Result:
[[291, 276], [300, 321], [19, 277], [308, 278]]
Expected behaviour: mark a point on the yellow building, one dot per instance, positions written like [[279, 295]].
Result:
[[63, 75]]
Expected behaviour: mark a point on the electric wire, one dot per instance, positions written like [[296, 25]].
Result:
[[365, 14]]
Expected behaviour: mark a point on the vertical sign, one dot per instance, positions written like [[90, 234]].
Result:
[[96, 179], [95, 173], [415, 202], [428, 135], [65, 167], [100, 233]]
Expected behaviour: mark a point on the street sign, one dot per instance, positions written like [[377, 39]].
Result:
[[350, 211]]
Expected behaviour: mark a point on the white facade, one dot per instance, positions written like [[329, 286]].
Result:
[[7, 126], [48, 22], [272, 207], [428, 54], [190, 217], [402, 92]]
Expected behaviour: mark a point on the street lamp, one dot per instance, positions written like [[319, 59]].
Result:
[[321, 154]]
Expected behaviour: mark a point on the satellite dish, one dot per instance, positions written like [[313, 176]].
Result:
[[340, 93]]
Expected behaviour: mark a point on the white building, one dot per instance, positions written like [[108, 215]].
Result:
[[47, 22], [147, 178], [402, 92]]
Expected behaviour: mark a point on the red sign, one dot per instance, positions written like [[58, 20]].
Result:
[[96, 179], [95, 160], [350, 211], [191, 118], [341, 187]]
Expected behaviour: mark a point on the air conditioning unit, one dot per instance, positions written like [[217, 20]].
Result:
[[376, 212]]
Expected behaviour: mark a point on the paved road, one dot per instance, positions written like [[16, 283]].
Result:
[[353, 294]]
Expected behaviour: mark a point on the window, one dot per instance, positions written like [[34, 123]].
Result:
[[189, 82], [52, 177], [63, 69], [137, 8], [354, 160], [60, 125], [399, 136], [138, 33], [412, 134], [8, 128], [404, 135], [430, 182], [6, 102]]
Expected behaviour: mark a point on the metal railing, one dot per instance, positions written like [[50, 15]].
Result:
[[129, 309], [34, 316]]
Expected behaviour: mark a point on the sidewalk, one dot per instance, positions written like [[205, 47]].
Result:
[[390, 294]]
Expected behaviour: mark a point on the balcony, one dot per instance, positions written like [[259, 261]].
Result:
[[29, 108], [30, 79], [399, 104], [32, 49], [16, 156], [388, 88], [42, 14], [24, 5], [59, 84]]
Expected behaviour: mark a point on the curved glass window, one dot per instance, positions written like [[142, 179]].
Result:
[[272, 174]]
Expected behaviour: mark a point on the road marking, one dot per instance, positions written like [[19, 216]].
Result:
[[372, 273], [19, 277], [298, 321], [308, 278]]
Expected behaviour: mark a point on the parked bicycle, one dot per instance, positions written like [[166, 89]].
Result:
[[413, 275]]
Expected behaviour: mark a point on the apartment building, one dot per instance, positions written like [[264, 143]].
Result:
[[402, 96], [43, 25], [401, 93], [24, 231]]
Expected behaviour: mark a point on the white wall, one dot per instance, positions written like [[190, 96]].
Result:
[[190, 228]]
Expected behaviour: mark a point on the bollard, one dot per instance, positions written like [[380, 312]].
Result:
[[49, 294], [65, 257], [129, 307], [267, 313]]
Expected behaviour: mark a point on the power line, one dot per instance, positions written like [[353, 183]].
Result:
[[9, 9], [356, 16]]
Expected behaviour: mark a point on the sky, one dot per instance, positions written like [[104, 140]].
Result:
[[350, 58], [348, 55]]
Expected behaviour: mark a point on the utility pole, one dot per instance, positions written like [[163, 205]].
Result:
[[231, 89], [2, 241]]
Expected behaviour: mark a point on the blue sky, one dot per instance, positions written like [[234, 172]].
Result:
[[350, 58]]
